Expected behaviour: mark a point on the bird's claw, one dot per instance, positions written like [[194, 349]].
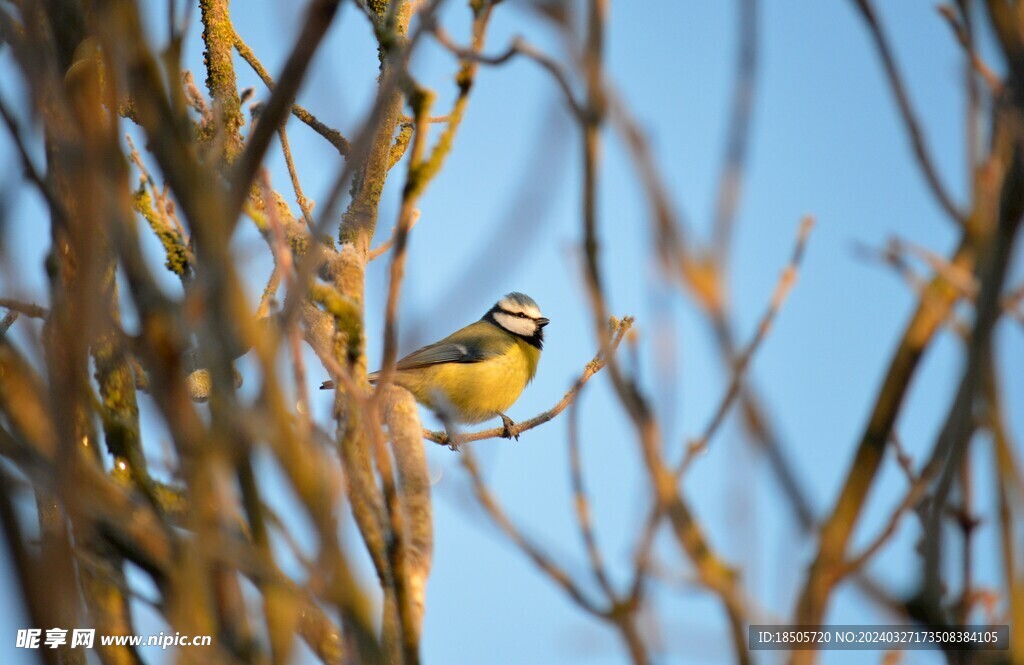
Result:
[[451, 440], [508, 424]]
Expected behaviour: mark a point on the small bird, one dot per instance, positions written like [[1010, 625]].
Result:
[[478, 372]]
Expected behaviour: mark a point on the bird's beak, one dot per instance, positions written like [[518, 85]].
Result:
[[542, 321]]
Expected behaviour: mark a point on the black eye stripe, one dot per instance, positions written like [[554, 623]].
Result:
[[520, 315]]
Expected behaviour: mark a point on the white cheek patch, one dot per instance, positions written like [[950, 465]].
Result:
[[515, 324]]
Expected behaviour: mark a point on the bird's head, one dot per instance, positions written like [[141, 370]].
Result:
[[519, 314]]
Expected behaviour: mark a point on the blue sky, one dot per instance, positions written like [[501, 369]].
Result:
[[504, 215]]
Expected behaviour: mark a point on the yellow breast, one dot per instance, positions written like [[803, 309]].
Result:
[[474, 392]]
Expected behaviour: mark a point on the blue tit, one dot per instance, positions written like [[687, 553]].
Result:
[[479, 371]]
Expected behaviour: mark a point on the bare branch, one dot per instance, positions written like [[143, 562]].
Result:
[[30, 310], [555, 572], [910, 122], [582, 505], [731, 178], [333, 136], [319, 16], [518, 47], [383, 248], [782, 288]]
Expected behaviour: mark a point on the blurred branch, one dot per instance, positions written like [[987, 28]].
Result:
[[30, 310], [712, 571], [383, 248], [996, 193], [995, 251], [730, 179], [30, 170], [9, 318], [581, 503], [924, 159], [416, 180], [1009, 485], [1012, 303], [782, 288], [995, 85], [518, 47], [892, 256], [619, 612], [464, 79], [933, 308], [555, 572], [409, 608], [672, 241], [911, 499]]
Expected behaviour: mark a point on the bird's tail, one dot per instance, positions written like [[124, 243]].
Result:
[[329, 385]]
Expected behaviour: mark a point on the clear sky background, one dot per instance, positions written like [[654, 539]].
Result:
[[504, 215]]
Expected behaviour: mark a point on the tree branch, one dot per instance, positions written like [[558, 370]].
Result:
[[333, 136]]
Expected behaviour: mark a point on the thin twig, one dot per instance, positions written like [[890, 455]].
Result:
[[333, 136], [730, 180], [300, 198], [782, 288], [992, 80], [382, 248], [9, 318], [539, 558], [518, 47], [956, 275], [910, 122], [319, 17], [30, 310], [269, 291], [1012, 301], [581, 502], [914, 494], [932, 311], [195, 98], [31, 172]]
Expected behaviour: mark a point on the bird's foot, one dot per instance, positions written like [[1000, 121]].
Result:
[[452, 439], [508, 424]]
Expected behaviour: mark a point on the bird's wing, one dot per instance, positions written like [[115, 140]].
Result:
[[442, 352], [462, 346]]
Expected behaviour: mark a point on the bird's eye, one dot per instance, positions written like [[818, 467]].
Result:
[[521, 315]]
